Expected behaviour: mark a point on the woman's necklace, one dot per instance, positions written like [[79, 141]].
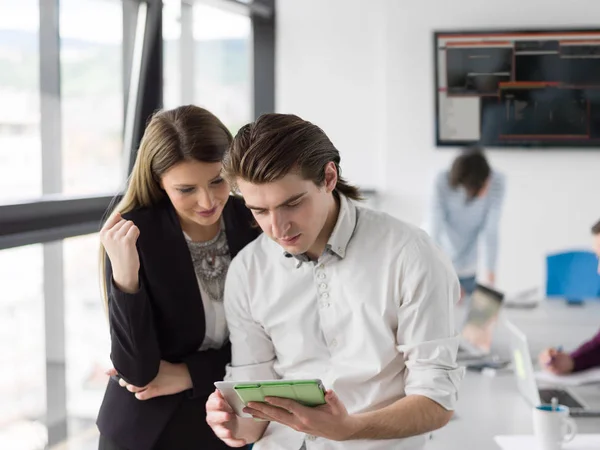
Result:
[[211, 260]]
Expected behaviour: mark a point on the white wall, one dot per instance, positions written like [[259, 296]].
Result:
[[363, 70], [329, 72]]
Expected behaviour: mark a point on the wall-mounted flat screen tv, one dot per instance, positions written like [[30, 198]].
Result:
[[518, 88]]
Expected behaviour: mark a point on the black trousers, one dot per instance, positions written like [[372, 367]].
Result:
[[186, 430], [163, 444], [106, 444]]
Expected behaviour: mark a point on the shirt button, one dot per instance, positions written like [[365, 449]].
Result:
[[323, 286], [320, 266], [325, 295], [321, 276], [325, 305], [333, 344], [310, 437]]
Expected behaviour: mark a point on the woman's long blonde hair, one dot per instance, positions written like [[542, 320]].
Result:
[[171, 136]]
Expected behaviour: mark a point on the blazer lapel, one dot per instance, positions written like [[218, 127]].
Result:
[[172, 255]]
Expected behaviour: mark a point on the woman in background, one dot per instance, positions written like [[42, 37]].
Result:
[[465, 207], [165, 252]]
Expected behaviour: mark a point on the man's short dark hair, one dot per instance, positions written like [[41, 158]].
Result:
[[470, 170], [596, 228], [276, 144]]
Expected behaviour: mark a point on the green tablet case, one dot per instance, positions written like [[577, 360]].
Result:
[[307, 393]]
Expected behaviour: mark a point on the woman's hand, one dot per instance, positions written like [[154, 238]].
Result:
[[171, 379], [118, 236]]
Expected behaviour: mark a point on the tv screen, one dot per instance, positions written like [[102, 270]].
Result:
[[518, 88]]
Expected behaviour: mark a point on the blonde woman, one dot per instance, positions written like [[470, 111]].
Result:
[[165, 253]]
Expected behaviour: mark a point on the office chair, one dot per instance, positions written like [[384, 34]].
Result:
[[572, 275]]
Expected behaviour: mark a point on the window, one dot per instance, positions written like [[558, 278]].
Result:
[[91, 33], [22, 350], [54, 334], [87, 337], [223, 51], [171, 54], [22, 342], [208, 62], [20, 143]]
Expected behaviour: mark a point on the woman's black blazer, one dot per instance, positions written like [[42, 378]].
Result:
[[164, 320]]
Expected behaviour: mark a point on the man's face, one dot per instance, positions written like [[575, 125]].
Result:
[[292, 211], [596, 246]]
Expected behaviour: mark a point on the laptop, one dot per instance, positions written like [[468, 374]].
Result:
[[527, 385], [478, 327]]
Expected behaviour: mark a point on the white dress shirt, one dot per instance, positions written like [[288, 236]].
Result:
[[372, 318]]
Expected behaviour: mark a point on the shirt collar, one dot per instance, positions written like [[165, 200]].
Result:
[[341, 234]]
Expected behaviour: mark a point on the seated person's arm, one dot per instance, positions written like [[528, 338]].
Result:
[[583, 358], [587, 355], [427, 339], [252, 358]]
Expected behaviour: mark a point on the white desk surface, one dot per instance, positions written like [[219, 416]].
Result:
[[490, 406]]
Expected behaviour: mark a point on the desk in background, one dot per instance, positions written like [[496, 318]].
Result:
[[490, 406]]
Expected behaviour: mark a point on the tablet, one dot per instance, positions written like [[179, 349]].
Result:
[[308, 392]]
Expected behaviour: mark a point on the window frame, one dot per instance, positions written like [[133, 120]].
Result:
[[54, 216]]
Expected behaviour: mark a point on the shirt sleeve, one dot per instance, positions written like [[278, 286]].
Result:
[[587, 355], [426, 335], [490, 230], [252, 351], [437, 214]]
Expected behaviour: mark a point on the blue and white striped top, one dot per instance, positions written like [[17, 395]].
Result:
[[456, 224]]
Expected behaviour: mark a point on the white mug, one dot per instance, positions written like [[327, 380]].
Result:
[[552, 426]]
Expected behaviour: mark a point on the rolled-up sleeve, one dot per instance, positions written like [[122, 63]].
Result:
[[252, 352], [492, 221], [437, 205], [426, 333]]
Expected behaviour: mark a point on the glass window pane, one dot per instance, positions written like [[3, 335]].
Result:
[[171, 54], [91, 34], [22, 349], [87, 336], [223, 64], [20, 143]]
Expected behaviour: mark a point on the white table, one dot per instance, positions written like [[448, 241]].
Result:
[[490, 406]]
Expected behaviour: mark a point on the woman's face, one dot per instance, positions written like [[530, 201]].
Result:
[[197, 191]]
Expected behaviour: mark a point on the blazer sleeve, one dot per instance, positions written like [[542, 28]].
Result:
[[135, 353], [207, 365]]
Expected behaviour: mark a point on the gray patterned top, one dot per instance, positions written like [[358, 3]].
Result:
[[211, 260]]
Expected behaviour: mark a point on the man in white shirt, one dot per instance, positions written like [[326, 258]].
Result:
[[333, 291]]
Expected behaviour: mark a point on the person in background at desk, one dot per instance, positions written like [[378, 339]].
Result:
[[588, 354], [466, 206], [335, 291], [165, 252]]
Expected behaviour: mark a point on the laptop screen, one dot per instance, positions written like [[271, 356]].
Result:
[[482, 317], [522, 365]]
